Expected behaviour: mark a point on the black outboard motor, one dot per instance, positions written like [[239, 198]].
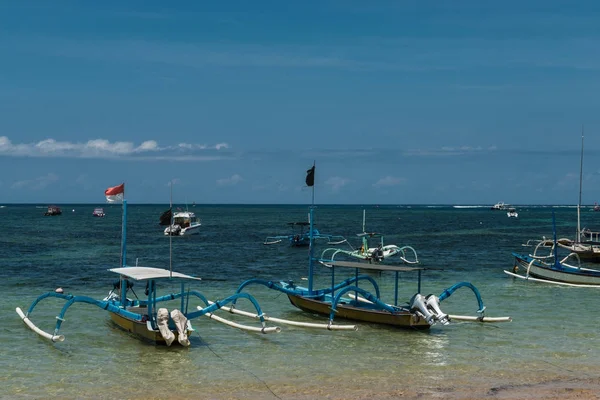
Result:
[[378, 254]]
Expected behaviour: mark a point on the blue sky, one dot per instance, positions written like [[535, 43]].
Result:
[[398, 102]]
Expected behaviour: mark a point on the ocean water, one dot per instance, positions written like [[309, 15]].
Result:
[[552, 341]]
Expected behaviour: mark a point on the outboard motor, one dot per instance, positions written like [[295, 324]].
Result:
[[433, 304], [419, 303]]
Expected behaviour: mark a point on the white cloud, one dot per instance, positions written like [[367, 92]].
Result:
[[101, 148], [389, 181], [336, 183], [38, 183], [232, 180]]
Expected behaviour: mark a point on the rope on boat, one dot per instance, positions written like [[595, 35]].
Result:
[[330, 327], [33, 327], [265, 329]]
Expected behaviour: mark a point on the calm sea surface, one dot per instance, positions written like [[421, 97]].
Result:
[[554, 334]]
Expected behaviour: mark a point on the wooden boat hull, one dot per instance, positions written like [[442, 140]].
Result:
[[579, 276], [141, 330], [400, 319]]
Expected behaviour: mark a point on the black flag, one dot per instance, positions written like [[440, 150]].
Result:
[[310, 176], [165, 218]]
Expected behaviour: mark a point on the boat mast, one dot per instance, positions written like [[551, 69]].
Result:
[[171, 232], [124, 251], [580, 185], [310, 181], [364, 216]]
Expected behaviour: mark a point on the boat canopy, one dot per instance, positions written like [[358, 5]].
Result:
[[303, 223], [147, 273], [370, 234]]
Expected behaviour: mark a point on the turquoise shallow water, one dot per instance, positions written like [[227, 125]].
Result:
[[553, 337]]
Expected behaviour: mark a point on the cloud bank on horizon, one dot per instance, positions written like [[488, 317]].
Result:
[[102, 148]]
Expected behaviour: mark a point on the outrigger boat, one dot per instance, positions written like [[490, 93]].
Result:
[[349, 301], [53, 211], [148, 318], [550, 268], [366, 252], [302, 238]]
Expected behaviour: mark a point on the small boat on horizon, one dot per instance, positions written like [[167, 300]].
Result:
[[53, 211], [500, 206], [98, 212]]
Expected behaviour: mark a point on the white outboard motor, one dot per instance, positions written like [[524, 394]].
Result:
[[162, 320], [433, 304], [419, 303], [181, 324]]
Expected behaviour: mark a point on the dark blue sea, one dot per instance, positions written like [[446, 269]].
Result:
[[552, 343]]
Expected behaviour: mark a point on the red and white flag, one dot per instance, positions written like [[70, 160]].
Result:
[[115, 193]]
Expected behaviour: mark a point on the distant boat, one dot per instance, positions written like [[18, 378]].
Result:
[[53, 211], [98, 212], [512, 212], [499, 206], [184, 223]]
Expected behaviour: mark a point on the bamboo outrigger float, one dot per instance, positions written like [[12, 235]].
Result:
[[147, 318], [349, 301]]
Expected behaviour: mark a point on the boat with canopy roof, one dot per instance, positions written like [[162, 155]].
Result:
[[359, 297], [148, 318]]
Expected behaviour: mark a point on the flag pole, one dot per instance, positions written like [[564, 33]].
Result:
[[124, 248], [311, 237]]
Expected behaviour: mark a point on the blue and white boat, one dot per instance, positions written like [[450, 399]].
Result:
[[148, 318], [371, 253], [549, 267], [359, 297], [301, 238]]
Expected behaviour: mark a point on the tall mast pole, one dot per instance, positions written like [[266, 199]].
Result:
[[311, 238], [580, 185]]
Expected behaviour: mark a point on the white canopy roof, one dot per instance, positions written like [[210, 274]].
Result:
[[145, 273]]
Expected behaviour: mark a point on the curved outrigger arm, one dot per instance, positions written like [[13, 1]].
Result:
[[294, 290], [481, 318], [448, 292], [213, 306], [274, 239], [70, 300], [366, 295], [414, 259]]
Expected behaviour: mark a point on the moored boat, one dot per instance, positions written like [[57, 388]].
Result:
[[552, 268], [372, 253], [182, 223], [500, 206], [350, 299], [149, 318], [53, 211]]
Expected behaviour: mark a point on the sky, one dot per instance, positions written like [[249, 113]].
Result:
[[396, 102]]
